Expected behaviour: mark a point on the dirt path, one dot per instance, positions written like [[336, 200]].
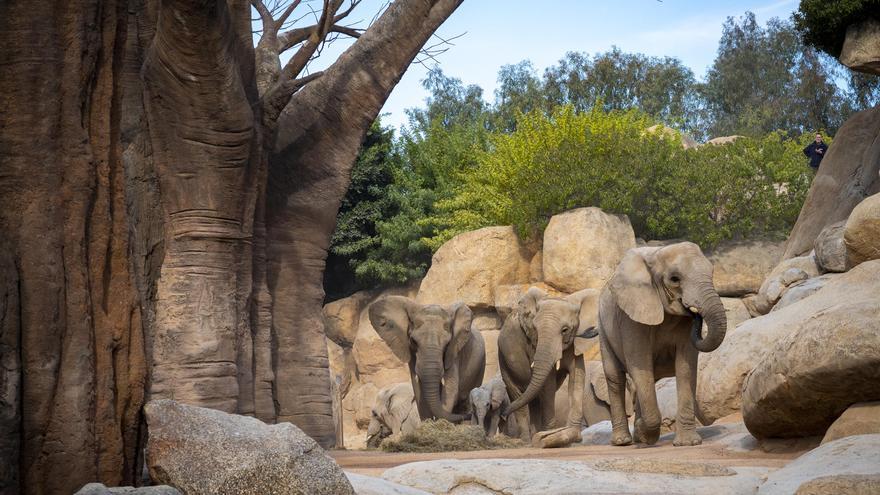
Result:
[[374, 463]]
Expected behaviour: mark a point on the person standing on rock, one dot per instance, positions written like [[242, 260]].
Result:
[[815, 152]]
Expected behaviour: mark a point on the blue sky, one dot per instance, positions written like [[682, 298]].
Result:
[[500, 32]]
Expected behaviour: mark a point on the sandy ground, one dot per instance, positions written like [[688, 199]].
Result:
[[374, 463]]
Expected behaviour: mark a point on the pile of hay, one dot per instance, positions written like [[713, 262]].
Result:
[[443, 436]]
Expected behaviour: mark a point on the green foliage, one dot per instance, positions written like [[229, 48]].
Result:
[[442, 436], [823, 23], [366, 203], [751, 187]]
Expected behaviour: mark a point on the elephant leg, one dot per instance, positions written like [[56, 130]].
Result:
[[616, 379], [493, 423], [647, 423], [547, 403], [686, 389]]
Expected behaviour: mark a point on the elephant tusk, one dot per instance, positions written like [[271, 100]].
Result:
[[558, 364], [443, 382], [693, 309], [532, 365]]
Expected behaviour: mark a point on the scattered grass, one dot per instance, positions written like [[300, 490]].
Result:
[[443, 436]]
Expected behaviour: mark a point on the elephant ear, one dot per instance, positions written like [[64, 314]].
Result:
[[528, 305], [633, 288], [462, 316], [497, 397], [391, 318], [588, 317]]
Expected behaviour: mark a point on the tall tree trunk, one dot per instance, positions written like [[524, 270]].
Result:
[[317, 142], [71, 346], [207, 152]]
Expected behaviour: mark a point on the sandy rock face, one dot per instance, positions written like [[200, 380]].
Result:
[[850, 461], [849, 173], [828, 361], [204, 451], [802, 289], [861, 47], [722, 372], [862, 418], [862, 232], [368, 485], [469, 267], [740, 267], [582, 248], [533, 476]]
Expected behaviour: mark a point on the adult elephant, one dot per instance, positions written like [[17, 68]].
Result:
[[650, 324], [446, 356], [536, 352]]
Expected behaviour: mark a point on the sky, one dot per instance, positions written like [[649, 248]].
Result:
[[495, 33]]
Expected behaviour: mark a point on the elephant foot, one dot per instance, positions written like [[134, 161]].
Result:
[[557, 437], [621, 437], [643, 434], [687, 437]]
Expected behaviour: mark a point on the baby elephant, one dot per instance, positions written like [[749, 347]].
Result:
[[487, 402], [394, 412]]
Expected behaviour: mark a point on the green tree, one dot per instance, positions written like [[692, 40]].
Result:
[[823, 23], [367, 201]]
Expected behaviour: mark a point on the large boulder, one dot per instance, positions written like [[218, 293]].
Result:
[[862, 232], [830, 248], [368, 485], [849, 174], [582, 248], [469, 267], [862, 418], [722, 372], [831, 359], [842, 459], [861, 47], [507, 296], [736, 311], [535, 476], [687, 142], [204, 451], [741, 267], [721, 140], [787, 273]]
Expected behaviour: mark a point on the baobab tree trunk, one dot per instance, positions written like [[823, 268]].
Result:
[[318, 140], [143, 253], [71, 347]]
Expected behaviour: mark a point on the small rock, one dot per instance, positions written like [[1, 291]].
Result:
[[775, 290], [831, 249], [793, 275], [862, 418], [597, 434]]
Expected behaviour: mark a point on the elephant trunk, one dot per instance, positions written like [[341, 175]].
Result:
[[548, 351], [429, 378], [712, 310]]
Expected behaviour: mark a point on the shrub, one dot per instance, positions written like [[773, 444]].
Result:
[[550, 164]]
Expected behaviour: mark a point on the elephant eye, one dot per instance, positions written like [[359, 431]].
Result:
[[675, 279]]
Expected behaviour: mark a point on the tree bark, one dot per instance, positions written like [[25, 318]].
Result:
[[144, 252], [317, 142], [71, 343]]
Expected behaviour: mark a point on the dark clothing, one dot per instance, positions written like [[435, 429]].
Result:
[[815, 152]]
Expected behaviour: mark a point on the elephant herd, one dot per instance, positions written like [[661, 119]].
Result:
[[649, 319]]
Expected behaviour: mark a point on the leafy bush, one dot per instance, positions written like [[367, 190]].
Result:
[[823, 23], [751, 187], [442, 436]]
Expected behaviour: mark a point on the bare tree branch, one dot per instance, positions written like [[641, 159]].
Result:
[[276, 99], [289, 10]]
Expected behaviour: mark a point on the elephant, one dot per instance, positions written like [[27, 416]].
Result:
[[651, 316], [446, 357], [538, 334], [487, 402], [394, 412]]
